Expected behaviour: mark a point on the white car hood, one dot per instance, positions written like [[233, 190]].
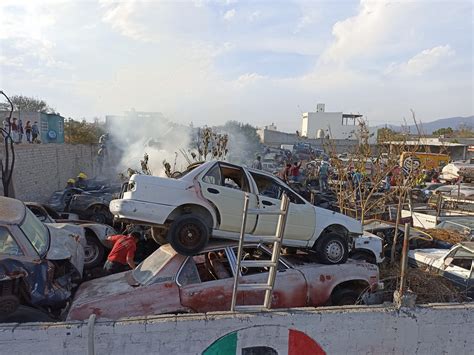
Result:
[[67, 244], [427, 256]]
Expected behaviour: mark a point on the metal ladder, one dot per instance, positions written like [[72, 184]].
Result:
[[272, 264]]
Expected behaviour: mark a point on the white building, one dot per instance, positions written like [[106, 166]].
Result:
[[335, 125]]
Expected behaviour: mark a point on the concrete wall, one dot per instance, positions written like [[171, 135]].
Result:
[[41, 169], [432, 329], [277, 138]]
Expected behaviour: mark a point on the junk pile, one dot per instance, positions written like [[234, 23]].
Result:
[[446, 235], [428, 287]]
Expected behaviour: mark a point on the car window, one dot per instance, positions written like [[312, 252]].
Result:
[[151, 266], [227, 176], [213, 176], [39, 213], [462, 258], [212, 265], [189, 273], [8, 245], [35, 232], [270, 187], [257, 254]]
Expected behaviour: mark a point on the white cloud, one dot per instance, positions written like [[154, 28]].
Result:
[[229, 14], [422, 62], [254, 16], [376, 23]]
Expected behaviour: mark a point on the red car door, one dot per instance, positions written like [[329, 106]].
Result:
[[206, 283], [290, 288]]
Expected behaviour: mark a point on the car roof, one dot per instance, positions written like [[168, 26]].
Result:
[[12, 211], [212, 245]]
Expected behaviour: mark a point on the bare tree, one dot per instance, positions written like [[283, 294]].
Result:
[[8, 163], [27, 104]]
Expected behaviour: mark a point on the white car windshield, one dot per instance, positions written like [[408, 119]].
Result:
[[35, 232], [151, 266]]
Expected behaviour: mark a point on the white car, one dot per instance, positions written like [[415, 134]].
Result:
[[209, 199], [455, 264]]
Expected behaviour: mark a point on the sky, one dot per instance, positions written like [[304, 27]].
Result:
[[258, 62]]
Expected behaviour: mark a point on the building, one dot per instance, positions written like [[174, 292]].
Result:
[[50, 125], [335, 125]]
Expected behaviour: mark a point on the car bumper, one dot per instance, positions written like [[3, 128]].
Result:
[[134, 210]]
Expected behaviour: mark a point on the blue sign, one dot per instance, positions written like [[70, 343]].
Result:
[[52, 134]]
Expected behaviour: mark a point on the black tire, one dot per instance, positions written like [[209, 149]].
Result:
[[101, 215], [188, 234], [94, 252], [362, 255], [8, 305], [344, 297], [332, 249]]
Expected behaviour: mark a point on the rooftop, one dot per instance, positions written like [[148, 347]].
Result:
[[11, 211]]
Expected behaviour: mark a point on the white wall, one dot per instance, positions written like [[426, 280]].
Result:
[[329, 122], [431, 329]]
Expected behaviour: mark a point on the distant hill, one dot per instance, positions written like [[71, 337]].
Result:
[[428, 127]]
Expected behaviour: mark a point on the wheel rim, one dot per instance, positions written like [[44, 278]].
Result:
[[189, 235], [91, 253], [335, 251]]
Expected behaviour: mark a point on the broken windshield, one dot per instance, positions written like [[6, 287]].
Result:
[[151, 266], [35, 232]]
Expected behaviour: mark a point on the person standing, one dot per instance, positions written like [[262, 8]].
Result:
[[357, 179], [295, 171], [21, 132], [14, 132], [35, 132], [28, 131], [284, 174], [257, 164], [323, 176], [122, 255]]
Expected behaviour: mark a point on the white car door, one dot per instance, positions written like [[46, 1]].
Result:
[[225, 186], [301, 221]]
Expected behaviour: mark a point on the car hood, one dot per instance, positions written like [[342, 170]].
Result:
[[427, 256], [97, 292], [67, 243]]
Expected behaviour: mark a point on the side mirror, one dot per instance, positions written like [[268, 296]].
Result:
[[448, 261]]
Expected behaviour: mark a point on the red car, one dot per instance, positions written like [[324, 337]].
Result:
[[167, 282]]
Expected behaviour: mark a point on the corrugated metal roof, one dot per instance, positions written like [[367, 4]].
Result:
[[11, 211]]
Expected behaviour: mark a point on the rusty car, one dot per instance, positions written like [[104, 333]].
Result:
[[40, 264], [168, 282], [208, 201]]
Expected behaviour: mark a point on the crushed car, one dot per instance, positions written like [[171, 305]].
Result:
[[96, 234], [168, 282], [39, 264], [455, 264], [91, 205], [208, 200]]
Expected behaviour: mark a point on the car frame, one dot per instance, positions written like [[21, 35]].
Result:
[[168, 282], [190, 209], [96, 234], [451, 264], [39, 263]]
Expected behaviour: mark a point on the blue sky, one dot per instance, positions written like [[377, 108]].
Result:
[[260, 62]]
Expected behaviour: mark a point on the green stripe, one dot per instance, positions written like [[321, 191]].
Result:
[[227, 345]]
